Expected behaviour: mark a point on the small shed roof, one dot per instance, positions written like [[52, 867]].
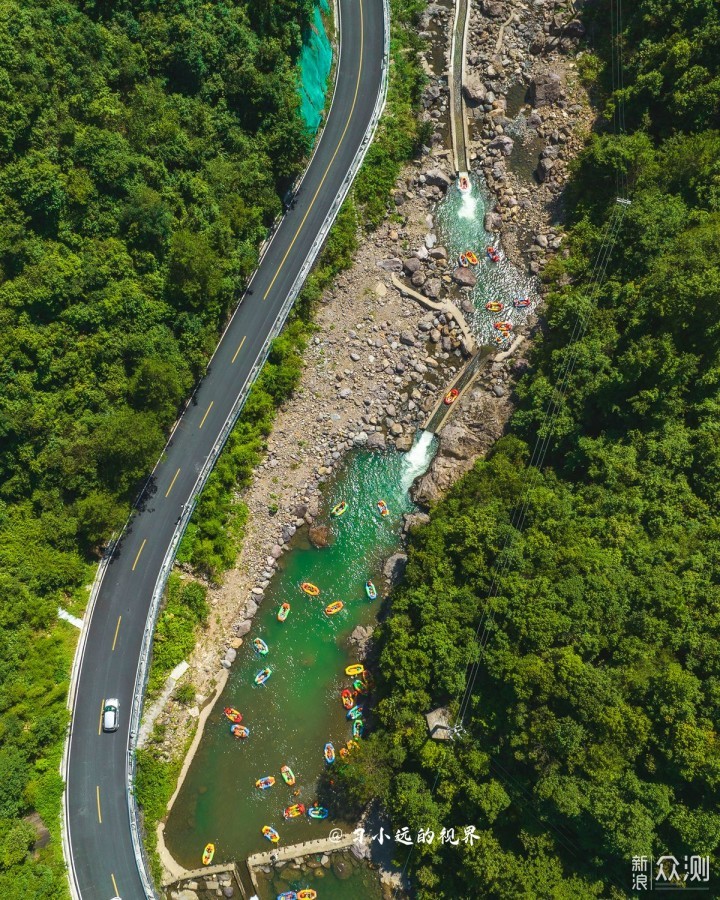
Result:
[[438, 722]]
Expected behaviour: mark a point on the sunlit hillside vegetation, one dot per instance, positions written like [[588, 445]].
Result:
[[144, 148], [592, 729]]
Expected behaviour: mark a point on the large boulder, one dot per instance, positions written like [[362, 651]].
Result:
[[474, 90], [457, 442], [464, 276], [394, 567], [319, 535], [493, 221], [432, 288], [360, 639], [437, 178], [412, 265], [544, 169], [390, 265], [546, 89], [503, 143], [493, 8], [341, 867], [414, 520], [376, 441], [574, 29]]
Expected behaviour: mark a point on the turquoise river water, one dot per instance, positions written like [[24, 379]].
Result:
[[292, 716]]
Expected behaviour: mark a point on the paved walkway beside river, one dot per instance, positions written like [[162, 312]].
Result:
[[294, 851]]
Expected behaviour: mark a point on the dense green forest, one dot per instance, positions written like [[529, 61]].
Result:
[[144, 147], [592, 729]]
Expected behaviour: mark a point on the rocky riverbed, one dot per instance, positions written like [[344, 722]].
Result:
[[529, 114], [380, 360]]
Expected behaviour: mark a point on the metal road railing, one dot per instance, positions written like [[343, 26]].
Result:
[[144, 660]]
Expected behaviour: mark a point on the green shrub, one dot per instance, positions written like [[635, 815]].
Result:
[[185, 693]]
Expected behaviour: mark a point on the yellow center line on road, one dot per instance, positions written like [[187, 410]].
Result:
[[112, 876], [102, 707], [238, 350], [117, 628], [139, 552], [206, 413], [97, 794], [332, 160], [172, 483]]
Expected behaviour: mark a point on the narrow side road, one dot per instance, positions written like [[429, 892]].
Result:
[[101, 859]]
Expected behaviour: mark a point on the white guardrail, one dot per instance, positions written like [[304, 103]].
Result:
[[144, 660]]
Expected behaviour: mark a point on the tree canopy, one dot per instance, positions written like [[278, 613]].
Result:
[[144, 148], [592, 723]]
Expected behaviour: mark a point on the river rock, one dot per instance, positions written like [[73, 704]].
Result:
[[251, 608], [394, 567], [413, 520], [458, 448], [493, 221], [474, 90], [412, 265], [437, 178], [341, 867], [546, 89], [503, 143], [493, 8], [360, 640], [230, 655], [376, 441], [390, 265], [242, 629], [418, 279], [319, 535], [464, 277], [228, 891], [544, 169], [574, 29], [276, 552], [404, 442], [361, 439], [432, 288], [407, 338], [300, 511], [457, 441]]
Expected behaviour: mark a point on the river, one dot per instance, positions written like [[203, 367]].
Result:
[[298, 710]]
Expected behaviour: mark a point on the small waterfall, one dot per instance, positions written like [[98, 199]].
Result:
[[418, 459], [468, 206]]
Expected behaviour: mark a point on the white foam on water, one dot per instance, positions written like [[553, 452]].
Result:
[[468, 207], [417, 459]]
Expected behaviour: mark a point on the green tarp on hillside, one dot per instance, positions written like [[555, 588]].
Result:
[[315, 62]]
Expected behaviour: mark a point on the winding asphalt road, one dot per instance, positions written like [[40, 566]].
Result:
[[98, 839]]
